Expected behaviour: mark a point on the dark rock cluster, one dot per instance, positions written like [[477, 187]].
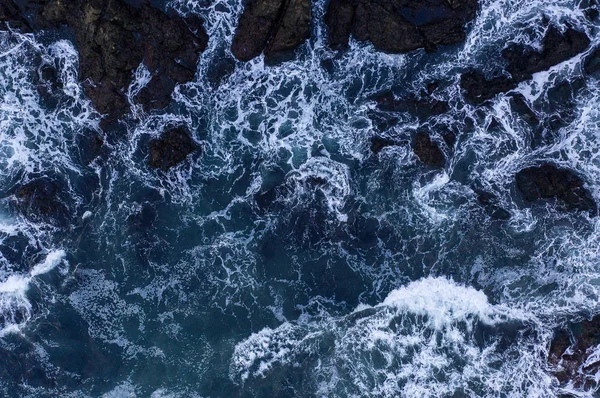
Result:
[[275, 27], [43, 200], [399, 26], [570, 353], [170, 149], [427, 150], [549, 181], [113, 38], [523, 62]]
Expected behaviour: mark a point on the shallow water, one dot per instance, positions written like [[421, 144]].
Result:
[[357, 275]]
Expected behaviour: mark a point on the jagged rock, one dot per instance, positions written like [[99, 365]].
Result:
[[10, 17], [427, 150], [557, 47], [549, 181], [490, 204], [113, 38], [478, 88], [420, 107], [398, 26], [523, 62], [276, 27], [170, 149], [570, 353], [43, 199], [378, 143], [338, 18]]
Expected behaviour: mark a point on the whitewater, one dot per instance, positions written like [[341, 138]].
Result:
[[287, 259]]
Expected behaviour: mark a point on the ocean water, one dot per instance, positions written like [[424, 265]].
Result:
[[286, 259]]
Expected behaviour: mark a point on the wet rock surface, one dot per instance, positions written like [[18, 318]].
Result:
[[428, 150], [275, 27], [43, 200], [379, 143], [172, 148], [421, 106], [113, 38], [523, 62], [571, 351], [549, 181], [398, 26], [491, 205]]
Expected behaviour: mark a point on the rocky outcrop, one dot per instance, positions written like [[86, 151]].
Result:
[[427, 150], [399, 26], [378, 143], [523, 62], [491, 205], [549, 181], [571, 352], [170, 149], [423, 107], [557, 47], [113, 38], [10, 17], [477, 88], [276, 27], [43, 200]]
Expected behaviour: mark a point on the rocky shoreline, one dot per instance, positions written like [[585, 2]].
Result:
[[114, 38]]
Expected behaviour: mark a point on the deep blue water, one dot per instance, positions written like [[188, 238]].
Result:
[[286, 259]]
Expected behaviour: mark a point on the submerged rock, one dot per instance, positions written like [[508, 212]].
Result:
[[523, 62], [489, 202], [276, 27], [571, 354], [113, 38], [477, 88], [549, 181], [172, 148], [399, 26], [378, 143], [427, 150], [42, 200], [421, 106]]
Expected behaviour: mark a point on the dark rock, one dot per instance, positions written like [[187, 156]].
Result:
[[43, 200], [570, 353], [388, 31], [427, 150], [523, 62], [113, 38], [398, 26], [549, 181], [557, 47], [170, 149], [449, 138], [11, 17], [338, 18], [276, 27], [293, 29], [423, 108], [490, 204], [519, 105], [378, 143], [479, 89]]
